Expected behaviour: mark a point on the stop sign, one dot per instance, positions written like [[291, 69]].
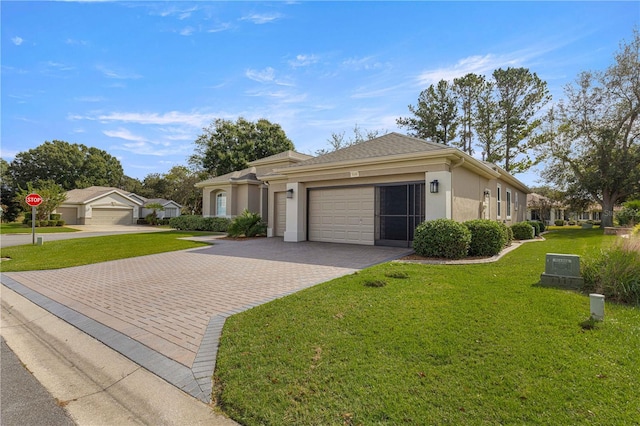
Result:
[[33, 200]]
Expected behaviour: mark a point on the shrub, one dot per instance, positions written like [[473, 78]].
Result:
[[52, 222], [536, 227], [508, 233], [630, 213], [636, 230], [442, 238], [572, 222], [248, 224], [55, 216], [559, 222], [199, 223], [615, 272], [487, 237], [60, 222], [522, 231]]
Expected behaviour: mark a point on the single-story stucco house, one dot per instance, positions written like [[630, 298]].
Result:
[[373, 193], [99, 205], [171, 208]]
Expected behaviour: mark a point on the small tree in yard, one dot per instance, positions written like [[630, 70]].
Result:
[[152, 218], [52, 196]]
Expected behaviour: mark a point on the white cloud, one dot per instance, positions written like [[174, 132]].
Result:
[[221, 27], [195, 119], [17, 40], [477, 64], [125, 134], [75, 42], [187, 31], [89, 99], [117, 74], [304, 60], [261, 18], [366, 63], [57, 66], [264, 76]]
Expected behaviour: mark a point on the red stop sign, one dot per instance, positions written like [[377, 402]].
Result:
[[33, 200]]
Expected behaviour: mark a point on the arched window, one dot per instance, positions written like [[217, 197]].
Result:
[[221, 204]]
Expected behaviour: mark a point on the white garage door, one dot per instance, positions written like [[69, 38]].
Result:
[[68, 214], [342, 215], [112, 217], [280, 214]]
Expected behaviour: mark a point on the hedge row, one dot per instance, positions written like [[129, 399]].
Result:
[[46, 223], [199, 223], [482, 237]]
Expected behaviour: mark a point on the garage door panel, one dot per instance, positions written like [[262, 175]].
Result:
[[343, 215], [111, 216]]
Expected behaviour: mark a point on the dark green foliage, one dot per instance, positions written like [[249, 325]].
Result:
[[248, 224], [508, 233], [536, 226], [630, 213], [487, 237], [559, 222], [522, 231], [442, 238], [55, 216], [60, 223], [375, 283], [543, 227], [615, 272], [397, 274], [199, 223]]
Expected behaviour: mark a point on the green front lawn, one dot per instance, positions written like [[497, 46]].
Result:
[[84, 251], [470, 344], [19, 228]]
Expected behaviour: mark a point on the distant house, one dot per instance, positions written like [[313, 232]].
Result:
[[544, 209], [99, 205], [171, 208], [374, 192]]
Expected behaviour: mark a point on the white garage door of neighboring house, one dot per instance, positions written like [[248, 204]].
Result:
[[68, 214], [342, 215], [112, 217], [280, 216]]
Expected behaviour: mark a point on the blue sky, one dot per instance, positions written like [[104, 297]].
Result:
[[141, 79]]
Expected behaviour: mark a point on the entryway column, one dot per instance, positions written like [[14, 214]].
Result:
[[439, 204], [296, 203]]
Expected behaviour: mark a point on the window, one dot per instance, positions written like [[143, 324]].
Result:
[[516, 203], [508, 204], [499, 197], [221, 204]]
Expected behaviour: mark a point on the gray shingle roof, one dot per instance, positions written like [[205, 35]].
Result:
[[383, 146], [79, 196]]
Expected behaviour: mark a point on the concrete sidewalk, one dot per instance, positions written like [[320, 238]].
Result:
[[95, 384]]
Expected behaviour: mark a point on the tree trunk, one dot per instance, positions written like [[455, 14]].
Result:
[[608, 202]]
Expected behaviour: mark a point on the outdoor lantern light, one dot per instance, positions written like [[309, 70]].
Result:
[[290, 193], [433, 186], [486, 193]]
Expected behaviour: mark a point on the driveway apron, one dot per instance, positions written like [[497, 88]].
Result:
[[166, 311]]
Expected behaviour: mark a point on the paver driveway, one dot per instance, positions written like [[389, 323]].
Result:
[[166, 311]]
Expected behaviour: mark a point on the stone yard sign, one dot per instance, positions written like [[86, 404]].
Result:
[[562, 270]]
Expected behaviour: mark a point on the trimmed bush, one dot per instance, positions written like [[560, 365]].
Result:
[[55, 216], [507, 232], [536, 227], [630, 213], [247, 224], [487, 237], [442, 238], [615, 272], [199, 223], [523, 231], [60, 222], [52, 222], [559, 222]]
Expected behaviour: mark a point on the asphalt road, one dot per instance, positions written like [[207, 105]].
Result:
[[23, 400], [8, 240]]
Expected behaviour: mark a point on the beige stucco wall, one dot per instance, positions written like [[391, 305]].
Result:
[[468, 195]]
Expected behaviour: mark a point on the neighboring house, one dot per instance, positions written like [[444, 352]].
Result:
[[171, 208], [544, 209], [99, 205], [374, 192]]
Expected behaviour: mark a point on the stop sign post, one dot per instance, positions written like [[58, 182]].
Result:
[[33, 200]]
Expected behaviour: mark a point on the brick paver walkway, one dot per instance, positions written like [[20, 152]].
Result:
[[169, 302]]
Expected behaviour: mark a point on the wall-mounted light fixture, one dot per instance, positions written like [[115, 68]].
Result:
[[433, 186], [486, 193], [290, 193]]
